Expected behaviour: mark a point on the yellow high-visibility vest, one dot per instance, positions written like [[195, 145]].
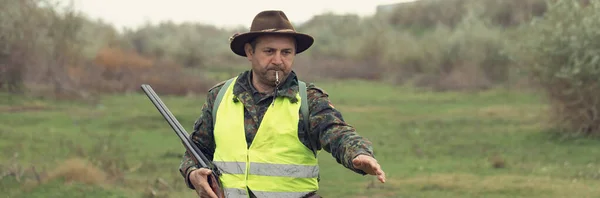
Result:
[[277, 164]]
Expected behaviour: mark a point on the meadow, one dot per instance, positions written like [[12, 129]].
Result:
[[461, 98], [484, 144]]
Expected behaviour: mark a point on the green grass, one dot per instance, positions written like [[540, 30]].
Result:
[[429, 145]]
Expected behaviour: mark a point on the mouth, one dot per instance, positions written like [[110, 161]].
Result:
[[277, 72]]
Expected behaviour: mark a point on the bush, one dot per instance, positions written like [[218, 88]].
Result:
[[39, 40], [17, 42], [470, 56], [425, 14], [562, 51], [115, 70], [346, 47], [189, 45]]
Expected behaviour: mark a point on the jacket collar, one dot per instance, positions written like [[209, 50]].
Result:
[[288, 88]]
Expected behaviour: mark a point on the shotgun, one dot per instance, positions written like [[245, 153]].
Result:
[[192, 149]]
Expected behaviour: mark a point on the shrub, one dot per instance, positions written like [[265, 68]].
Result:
[[562, 52], [39, 40], [467, 57], [17, 41], [116, 70], [346, 47], [425, 14], [189, 45]]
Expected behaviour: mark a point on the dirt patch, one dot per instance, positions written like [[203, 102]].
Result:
[[78, 170], [73, 170], [23, 108], [363, 109], [509, 111], [502, 111]]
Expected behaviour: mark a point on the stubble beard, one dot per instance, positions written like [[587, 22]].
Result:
[[273, 76]]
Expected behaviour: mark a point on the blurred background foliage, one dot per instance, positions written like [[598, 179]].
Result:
[[49, 50]]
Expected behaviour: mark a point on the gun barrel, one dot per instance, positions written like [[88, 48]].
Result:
[[197, 155], [176, 126]]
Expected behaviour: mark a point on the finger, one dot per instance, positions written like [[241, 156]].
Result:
[[376, 168], [202, 179], [204, 195], [205, 172], [208, 190], [379, 172], [381, 177], [215, 186]]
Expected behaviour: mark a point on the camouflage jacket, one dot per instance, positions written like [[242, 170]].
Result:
[[335, 135]]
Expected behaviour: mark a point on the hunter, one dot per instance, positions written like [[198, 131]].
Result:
[[264, 127]]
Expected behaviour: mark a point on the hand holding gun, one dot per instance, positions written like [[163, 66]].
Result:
[[207, 169]]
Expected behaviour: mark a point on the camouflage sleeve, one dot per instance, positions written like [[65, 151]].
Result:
[[335, 135], [202, 136]]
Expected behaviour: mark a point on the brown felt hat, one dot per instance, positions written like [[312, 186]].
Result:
[[270, 22]]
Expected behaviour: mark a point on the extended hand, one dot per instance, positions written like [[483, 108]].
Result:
[[369, 165]]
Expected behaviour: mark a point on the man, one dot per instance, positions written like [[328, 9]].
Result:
[[253, 126]]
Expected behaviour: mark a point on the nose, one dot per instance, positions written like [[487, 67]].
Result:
[[277, 59]]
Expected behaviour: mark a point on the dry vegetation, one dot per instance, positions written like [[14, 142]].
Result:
[[443, 45], [463, 46], [451, 45], [51, 50], [71, 55]]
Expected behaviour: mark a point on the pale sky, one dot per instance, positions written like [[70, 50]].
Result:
[[131, 13]]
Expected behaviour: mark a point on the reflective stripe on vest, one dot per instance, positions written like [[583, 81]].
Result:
[[277, 164], [235, 193], [284, 170]]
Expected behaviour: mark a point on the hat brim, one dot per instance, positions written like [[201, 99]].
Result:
[[303, 41]]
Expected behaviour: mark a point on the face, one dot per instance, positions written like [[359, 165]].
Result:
[[272, 53]]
